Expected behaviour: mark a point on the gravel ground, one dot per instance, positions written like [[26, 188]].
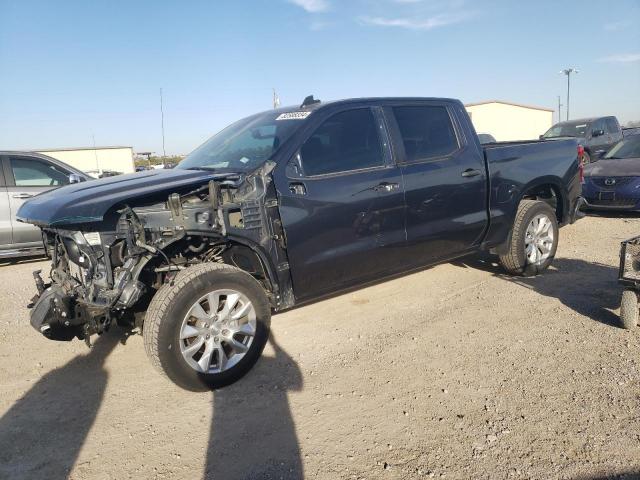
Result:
[[456, 371]]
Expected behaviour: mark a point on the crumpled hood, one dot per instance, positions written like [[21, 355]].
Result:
[[88, 202], [624, 167]]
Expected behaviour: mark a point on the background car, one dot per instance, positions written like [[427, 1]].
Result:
[[22, 176], [595, 134], [613, 183]]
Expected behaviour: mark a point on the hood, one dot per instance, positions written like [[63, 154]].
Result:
[[624, 167], [88, 202]]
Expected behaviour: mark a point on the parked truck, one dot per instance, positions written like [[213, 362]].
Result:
[[596, 134], [286, 207]]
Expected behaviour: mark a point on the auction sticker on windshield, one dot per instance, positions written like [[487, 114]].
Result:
[[293, 116]]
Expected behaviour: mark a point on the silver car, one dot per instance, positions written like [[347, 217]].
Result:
[[22, 176]]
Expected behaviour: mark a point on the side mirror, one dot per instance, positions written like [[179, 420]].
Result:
[[75, 178], [597, 133]]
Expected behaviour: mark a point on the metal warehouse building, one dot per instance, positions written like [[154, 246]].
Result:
[[95, 160], [510, 121]]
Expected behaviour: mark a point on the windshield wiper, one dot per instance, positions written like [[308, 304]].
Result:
[[205, 169]]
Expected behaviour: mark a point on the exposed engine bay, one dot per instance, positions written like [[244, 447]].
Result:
[[109, 271]]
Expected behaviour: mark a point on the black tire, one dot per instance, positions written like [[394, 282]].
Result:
[[163, 321], [629, 309], [515, 261]]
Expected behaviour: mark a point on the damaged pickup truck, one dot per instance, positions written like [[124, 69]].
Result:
[[285, 207]]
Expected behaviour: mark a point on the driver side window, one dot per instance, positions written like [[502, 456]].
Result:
[[31, 172], [345, 142]]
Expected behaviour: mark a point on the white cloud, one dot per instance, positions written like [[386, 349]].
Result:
[[312, 6], [622, 58], [435, 21], [615, 26]]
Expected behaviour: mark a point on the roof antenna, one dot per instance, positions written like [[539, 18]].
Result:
[[309, 101]]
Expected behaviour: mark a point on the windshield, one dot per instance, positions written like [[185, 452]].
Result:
[[243, 145], [627, 148], [569, 129]]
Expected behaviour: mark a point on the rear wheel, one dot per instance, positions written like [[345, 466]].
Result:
[[208, 327], [533, 240], [629, 309]]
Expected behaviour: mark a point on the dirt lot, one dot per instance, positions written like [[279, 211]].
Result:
[[456, 372]]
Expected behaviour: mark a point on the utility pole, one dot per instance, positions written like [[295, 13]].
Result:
[[568, 72], [559, 110], [164, 153]]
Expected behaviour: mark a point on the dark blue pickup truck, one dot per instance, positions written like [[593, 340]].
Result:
[[285, 207]]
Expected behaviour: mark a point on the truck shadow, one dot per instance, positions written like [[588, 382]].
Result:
[[43, 432], [253, 435], [590, 289]]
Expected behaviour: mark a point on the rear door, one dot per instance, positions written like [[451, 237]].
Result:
[[614, 132], [5, 212], [444, 178], [26, 177], [341, 203]]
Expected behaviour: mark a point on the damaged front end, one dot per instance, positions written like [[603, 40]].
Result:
[[108, 271]]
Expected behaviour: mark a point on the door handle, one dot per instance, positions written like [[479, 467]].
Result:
[[386, 187], [22, 195], [297, 188], [471, 172]]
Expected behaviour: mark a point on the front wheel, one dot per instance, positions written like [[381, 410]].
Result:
[[208, 327], [533, 240], [629, 309]]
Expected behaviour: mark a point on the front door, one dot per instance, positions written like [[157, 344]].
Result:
[[600, 142], [26, 177], [445, 182], [341, 204]]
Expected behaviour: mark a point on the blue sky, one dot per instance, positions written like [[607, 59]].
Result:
[[74, 70]]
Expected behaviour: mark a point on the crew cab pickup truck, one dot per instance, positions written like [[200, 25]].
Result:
[[285, 207]]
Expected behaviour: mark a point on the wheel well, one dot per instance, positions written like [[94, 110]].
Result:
[[550, 194], [193, 249]]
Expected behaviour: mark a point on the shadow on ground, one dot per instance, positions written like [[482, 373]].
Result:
[[7, 262], [617, 476], [253, 435], [590, 289], [42, 434]]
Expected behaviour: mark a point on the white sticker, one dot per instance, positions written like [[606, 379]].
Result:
[[92, 238], [293, 116], [244, 159]]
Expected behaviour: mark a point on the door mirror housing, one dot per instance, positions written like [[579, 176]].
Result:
[[597, 133], [75, 178]]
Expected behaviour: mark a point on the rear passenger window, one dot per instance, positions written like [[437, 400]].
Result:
[[612, 126], [426, 132], [346, 141]]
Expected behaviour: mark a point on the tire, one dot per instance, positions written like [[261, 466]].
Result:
[[174, 326], [629, 309], [516, 260]]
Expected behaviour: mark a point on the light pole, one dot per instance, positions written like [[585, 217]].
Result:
[[559, 110], [568, 72]]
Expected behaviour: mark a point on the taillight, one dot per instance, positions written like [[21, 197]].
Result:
[[581, 162]]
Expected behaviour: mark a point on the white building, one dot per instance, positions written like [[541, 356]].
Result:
[[95, 160], [510, 121]]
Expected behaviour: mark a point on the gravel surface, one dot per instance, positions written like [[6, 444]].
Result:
[[456, 371]]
